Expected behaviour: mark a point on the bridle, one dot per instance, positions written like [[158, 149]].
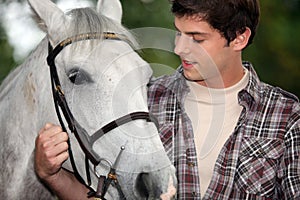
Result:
[[85, 140]]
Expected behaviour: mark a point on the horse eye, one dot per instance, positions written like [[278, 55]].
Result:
[[79, 76]]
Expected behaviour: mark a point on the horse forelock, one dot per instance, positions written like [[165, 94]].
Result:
[[88, 20]]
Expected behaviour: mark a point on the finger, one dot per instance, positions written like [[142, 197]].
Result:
[[50, 130], [51, 137], [46, 167], [50, 153], [59, 160], [48, 125], [49, 144], [60, 148], [59, 138], [62, 157]]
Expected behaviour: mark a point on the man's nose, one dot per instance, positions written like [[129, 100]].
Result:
[[182, 45]]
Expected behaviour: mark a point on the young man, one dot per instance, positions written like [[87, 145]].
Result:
[[229, 135], [220, 123]]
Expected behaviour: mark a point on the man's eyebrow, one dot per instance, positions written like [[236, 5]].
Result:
[[191, 32]]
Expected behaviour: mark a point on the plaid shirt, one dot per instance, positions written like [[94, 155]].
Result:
[[260, 160]]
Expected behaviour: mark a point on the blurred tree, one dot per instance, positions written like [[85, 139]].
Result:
[[152, 13], [6, 59], [274, 52]]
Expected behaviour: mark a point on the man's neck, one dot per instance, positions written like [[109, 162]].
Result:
[[224, 79]]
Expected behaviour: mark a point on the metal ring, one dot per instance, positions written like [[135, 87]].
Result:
[[95, 166]]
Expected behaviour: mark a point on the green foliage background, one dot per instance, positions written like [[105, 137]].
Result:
[[274, 53]]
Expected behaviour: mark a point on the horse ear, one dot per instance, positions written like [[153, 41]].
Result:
[[111, 9], [47, 15]]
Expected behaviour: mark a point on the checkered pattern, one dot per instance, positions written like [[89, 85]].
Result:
[[261, 158]]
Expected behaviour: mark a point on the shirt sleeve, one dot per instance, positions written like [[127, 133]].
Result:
[[289, 172]]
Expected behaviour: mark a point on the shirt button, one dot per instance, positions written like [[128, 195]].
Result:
[[194, 194], [191, 164]]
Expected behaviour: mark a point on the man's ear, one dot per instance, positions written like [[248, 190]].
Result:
[[241, 40]]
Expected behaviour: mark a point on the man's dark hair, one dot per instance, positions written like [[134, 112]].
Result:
[[229, 17]]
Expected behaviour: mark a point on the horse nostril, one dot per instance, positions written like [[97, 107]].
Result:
[[141, 185]]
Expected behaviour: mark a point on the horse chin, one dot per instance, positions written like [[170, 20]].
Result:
[[149, 186], [131, 187]]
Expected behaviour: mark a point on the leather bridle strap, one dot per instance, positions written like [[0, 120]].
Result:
[[59, 100], [123, 120]]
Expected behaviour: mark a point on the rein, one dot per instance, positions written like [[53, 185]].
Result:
[[84, 139]]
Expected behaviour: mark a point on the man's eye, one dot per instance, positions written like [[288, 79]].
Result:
[[78, 76], [198, 41]]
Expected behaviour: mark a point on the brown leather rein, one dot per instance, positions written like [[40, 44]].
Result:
[[85, 140]]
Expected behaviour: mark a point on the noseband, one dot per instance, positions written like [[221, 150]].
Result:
[[85, 140]]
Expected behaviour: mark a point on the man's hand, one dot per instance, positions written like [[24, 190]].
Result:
[[51, 150]]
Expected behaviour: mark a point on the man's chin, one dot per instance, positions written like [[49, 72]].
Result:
[[189, 77]]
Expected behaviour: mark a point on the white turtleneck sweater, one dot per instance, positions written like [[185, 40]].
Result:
[[214, 114]]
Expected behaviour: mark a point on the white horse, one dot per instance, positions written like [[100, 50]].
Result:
[[102, 79]]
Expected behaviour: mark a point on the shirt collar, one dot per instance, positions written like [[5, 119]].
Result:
[[251, 94], [252, 91]]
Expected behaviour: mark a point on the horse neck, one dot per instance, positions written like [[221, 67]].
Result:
[[24, 89]]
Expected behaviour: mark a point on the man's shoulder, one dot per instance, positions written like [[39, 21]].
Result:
[[278, 94], [165, 82], [279, 104], [168, 89], [266, 92], [161, 87], [287, 95]]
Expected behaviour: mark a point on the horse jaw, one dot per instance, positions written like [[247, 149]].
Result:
[[171, 191], [111, 9]]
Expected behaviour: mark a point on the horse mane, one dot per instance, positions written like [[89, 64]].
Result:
[[88, 20]]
